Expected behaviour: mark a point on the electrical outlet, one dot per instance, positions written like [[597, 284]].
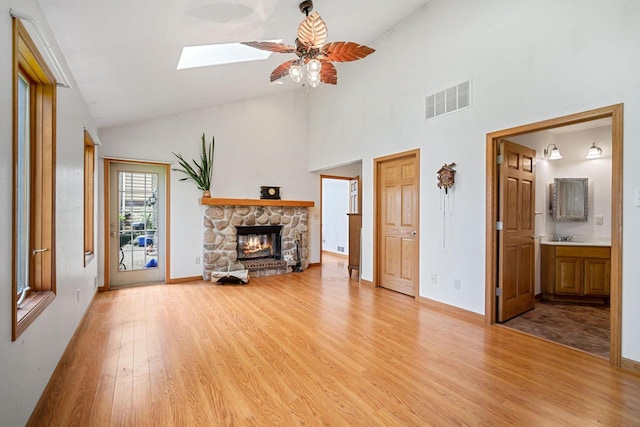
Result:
[[434, 278], [197, 260], [456, 283], [599, 220], [78, 295]]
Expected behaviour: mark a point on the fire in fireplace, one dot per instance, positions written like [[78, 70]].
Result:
[[259, 242]]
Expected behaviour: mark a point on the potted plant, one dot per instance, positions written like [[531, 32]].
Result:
[[200, 172]]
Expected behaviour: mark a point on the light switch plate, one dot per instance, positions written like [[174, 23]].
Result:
[[599, 220]]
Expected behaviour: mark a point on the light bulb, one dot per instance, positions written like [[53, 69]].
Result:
[[295, 73], [314, 66], [314, 80]]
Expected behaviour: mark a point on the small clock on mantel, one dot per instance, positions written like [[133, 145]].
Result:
[[269, 192]]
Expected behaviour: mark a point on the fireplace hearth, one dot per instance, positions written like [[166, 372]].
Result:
[[223, 231]]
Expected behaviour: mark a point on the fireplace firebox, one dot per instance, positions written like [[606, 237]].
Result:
[[256, 242]]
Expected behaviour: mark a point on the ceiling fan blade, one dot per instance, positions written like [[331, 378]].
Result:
[[344, 51], [282, 70], [328, 73], [313, 32], [271, 46]]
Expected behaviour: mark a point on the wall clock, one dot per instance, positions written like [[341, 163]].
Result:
[[269, 192]]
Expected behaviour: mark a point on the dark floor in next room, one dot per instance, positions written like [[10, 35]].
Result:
[[585, 327]]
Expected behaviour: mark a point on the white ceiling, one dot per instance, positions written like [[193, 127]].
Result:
[[123, 53]]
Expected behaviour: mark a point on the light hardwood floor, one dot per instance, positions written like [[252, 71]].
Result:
[[315, 348]]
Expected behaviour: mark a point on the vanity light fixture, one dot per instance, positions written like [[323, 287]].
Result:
[[552, 152], [594, 152]]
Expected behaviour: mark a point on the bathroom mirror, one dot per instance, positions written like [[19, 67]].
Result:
[[570, 199]]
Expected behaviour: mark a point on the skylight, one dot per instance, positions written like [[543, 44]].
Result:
[[219, 54]]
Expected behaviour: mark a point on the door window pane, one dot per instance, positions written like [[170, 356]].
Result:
[[138, 217]]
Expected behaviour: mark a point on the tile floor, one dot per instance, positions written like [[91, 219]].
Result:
[[585, 327]]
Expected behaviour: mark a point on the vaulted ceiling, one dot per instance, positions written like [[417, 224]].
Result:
[[123, 53]]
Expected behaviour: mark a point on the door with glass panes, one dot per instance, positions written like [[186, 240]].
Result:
[[137, 207]]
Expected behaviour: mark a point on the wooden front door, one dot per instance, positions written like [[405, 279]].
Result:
[[516, 265], [397, 193]]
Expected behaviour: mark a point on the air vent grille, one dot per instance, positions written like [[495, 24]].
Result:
[[449, 100]]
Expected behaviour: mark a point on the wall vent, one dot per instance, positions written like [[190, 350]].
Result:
[[447, 101]]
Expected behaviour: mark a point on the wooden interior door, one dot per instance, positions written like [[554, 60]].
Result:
[[397, 223], [516, 264]]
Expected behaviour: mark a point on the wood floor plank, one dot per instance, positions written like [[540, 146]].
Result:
[[316, 348]]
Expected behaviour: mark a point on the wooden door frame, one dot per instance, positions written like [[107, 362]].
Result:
[[615, 112], [376, 216], [108, 161], [342, 178]]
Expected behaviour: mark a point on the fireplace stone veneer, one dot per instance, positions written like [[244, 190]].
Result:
[[220, 238]]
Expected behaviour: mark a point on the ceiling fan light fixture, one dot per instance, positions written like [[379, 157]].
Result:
[[295, 72], [314, 80], [315, 56], [314, 66]]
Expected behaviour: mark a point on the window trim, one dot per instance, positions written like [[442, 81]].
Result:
[[28, 62], [89, 198]]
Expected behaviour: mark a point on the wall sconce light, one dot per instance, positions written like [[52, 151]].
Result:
[[594, 152], [552, 152]]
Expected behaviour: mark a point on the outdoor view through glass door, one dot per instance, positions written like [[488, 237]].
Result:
[[137, 218]]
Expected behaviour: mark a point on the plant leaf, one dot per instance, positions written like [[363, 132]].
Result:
[[200, 172], [344, 51], [313, 31]]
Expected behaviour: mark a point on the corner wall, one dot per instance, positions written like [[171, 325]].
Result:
[[258, 142], [28, 363], [528, 62]]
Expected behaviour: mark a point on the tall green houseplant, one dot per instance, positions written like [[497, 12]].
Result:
[[200, 172]]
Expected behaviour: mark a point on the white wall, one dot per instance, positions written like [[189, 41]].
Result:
[[528, 61], [28, 362], [335, 223], [257, 142]]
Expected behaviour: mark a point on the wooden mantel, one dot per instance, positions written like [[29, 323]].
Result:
[[255, 202]]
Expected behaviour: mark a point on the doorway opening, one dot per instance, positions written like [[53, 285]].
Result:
[[340, 206], [495, 278]]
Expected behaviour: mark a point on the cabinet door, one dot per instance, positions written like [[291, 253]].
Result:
[[596, 276], [569, 275]]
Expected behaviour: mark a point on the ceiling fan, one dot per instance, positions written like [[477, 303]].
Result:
[[315, 57]]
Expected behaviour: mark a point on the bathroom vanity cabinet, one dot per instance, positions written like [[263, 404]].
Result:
[[575, 273]]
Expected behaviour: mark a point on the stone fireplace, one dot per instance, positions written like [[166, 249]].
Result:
[[222, 241]]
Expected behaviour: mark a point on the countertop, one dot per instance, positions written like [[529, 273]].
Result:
[[599, 242]]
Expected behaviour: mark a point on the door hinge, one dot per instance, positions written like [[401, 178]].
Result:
[[499, 225], [499, 159], [498, 292]]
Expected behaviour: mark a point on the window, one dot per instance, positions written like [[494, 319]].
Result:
[[34, 105], [89, 168]]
